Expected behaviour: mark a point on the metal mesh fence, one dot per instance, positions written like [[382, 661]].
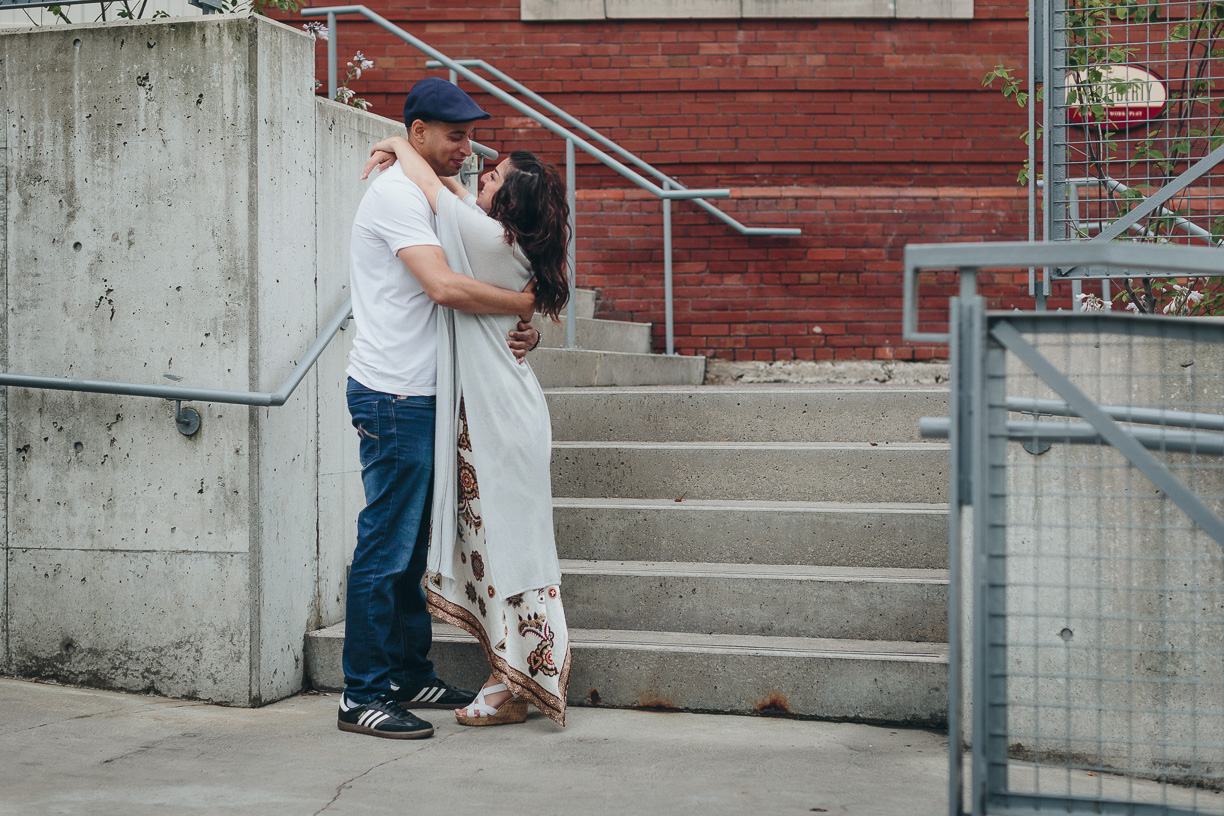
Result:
[[1103, 601], [1133, 127], [1139, 98]]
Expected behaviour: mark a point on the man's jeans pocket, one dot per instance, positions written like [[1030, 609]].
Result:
[[367, 433], [365, 406]]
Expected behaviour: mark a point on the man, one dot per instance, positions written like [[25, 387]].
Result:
[[399, 276]]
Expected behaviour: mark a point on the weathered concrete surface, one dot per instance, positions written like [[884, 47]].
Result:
[[749, 599], [680, 9], [76, 752], [584, 367], [790, 471], [343, 137], [162, 215], [754, 532], [584, 302], [604, 335], [828, 678], [828, 8], [931, 9], [284, 531], [745, 413], [4, 446], [728, 372]]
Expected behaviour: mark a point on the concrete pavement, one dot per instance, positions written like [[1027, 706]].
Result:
[[79, 751]]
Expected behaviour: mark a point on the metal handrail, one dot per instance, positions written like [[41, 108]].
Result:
[[187, 419], [490, 88], [667, 191], [1083, 227], [625, 154], [1143, 261], [1113, 185]]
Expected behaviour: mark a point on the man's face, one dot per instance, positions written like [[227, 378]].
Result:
[[444, 145]]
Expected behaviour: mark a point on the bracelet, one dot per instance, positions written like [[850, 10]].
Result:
[[539, 337]]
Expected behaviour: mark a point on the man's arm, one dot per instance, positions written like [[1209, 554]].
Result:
[[447, 288]]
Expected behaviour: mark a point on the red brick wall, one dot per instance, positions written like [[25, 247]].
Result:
[[866, 134]]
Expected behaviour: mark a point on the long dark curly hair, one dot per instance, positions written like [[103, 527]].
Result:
[[531, 206]]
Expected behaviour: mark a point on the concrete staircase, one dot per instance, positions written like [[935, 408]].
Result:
[[776, 550], [610, 352]]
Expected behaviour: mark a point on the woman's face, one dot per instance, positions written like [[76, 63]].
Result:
[[491, 182]]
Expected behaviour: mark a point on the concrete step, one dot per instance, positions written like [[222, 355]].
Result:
[[758, 599], [786, 471], [868, 681], [582, 368], [913, 536], [766, 413], [596, 335], [584, 302]]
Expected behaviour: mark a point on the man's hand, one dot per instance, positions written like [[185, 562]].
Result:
[[523, 340]]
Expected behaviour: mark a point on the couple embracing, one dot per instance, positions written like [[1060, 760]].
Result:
[[453, 429]]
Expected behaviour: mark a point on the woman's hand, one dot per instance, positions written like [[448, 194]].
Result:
[[392, 149], [379, 160]]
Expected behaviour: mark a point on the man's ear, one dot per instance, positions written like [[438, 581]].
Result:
[[416, 131]]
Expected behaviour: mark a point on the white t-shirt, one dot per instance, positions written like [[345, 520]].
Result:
[[395, 348]]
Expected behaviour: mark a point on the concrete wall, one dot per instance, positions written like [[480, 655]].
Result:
[[178, 204], [344, 136], [20, 18]]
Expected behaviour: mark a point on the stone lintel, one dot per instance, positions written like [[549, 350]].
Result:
[[557, 10]]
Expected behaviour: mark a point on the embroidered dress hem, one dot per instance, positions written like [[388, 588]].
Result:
[[519, 683], [520, 634]]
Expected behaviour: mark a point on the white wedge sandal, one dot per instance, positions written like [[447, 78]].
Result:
[[513, 710]]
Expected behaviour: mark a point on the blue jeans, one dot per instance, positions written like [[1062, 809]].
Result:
[[387, 630]]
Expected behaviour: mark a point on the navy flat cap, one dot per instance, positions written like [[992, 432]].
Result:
[[435, 100]]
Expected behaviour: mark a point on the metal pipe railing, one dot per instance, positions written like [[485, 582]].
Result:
[[1082, 433], [1123, 413], [667, 190], [1142, 260], [179, 393], [625, 154], [1084, 228], [332, 11]]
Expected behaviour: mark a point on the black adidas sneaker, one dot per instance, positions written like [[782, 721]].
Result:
[[435, 693], [382, 718]]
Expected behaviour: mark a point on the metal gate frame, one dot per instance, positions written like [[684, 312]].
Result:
[[978, 429]]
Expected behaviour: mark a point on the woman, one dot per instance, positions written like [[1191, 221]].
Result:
[[493, 567]]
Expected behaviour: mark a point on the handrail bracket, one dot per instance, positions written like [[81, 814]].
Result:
[[186, 419]]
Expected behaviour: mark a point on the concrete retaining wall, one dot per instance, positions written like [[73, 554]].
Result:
[[344, 136], [178, 210]]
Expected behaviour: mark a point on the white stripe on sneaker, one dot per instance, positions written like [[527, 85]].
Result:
[[421, 694], [433, 698], [374, 723]]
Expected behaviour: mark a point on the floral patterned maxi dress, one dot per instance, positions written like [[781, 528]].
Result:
[[523, 635]]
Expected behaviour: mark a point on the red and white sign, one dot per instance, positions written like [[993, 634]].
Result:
[[1129, 95]]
